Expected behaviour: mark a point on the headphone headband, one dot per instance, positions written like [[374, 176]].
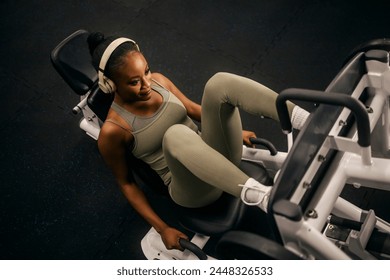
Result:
[[105, 84], [111, 48]]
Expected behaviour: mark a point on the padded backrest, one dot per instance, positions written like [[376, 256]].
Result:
[[72, 61], [375, 44], [99, 102]]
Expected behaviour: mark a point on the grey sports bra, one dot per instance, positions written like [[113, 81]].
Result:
[[148, 132], [138, 122]]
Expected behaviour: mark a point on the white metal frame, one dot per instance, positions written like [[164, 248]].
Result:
[[353, 165], [90, 122]]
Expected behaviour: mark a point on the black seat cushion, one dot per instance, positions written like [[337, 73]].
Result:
[[224, 214], [216, 218]]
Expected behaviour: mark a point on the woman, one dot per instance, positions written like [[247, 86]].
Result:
[[152, 118]]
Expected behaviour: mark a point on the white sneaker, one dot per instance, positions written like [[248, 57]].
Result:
[[255, 194], [298, 117]]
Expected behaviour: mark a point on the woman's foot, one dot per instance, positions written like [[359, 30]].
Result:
[[255, 194]]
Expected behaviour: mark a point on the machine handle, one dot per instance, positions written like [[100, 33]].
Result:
[[185, 244], [357, 108], [338, 221], [79, 107], [263, 142]]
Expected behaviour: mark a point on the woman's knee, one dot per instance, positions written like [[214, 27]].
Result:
[[215, 91], [178, 136], [218, 81]]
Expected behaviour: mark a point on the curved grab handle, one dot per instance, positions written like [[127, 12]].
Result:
[[184, 243], [357, 108], [263, 142]]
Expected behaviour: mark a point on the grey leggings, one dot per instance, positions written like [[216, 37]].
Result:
[[204, 166]]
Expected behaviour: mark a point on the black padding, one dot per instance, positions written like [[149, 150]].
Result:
[[226, 212], [100, 102], [72, 61], [256, 171], [330, 98], [288, 209], [242, 245], [216, 218], [185, 244], [379, 242], [379, 55], [343, 222], [265, 143], [375, 44]]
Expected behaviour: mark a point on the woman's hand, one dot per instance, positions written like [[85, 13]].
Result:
[[246, 135], [170, 236]]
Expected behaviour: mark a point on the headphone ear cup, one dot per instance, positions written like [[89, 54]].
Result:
[[107, 86], [110, 85]]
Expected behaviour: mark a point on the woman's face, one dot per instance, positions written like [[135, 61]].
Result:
[[133, 78]]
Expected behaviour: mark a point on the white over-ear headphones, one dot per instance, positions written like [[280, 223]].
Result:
[[105, 84]]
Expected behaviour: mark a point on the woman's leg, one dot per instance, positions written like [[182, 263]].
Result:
[[199, 173], [221, 124], [201, 170]]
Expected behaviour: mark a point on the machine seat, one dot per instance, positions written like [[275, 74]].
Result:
[[224, 214]]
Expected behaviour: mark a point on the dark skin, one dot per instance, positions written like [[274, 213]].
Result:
[[133, 81]]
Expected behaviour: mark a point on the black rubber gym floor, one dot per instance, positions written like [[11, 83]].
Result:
[[57, 198]]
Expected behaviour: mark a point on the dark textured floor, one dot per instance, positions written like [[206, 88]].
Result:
[[57, 198]]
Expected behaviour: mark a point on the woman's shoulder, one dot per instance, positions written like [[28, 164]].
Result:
[[115, 131], [158, 77], [161, 80]]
